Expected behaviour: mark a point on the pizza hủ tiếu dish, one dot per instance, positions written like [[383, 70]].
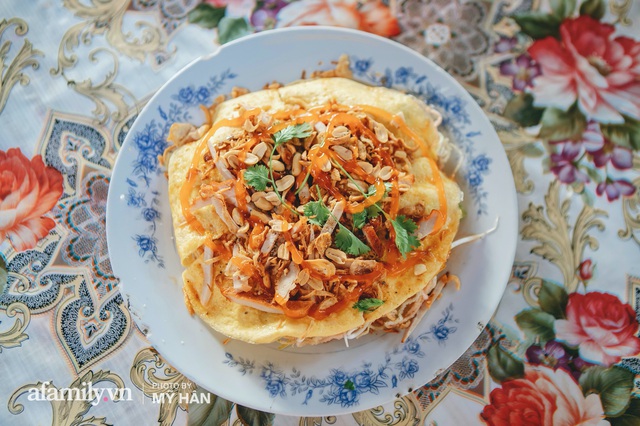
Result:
[[312, 211]]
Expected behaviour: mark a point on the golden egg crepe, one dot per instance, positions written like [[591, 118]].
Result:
[[311, 212]]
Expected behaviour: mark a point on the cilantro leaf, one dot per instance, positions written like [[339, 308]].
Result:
[[359, 219], [367, 305], [347, 241], [405, 230], [373, 211], [316, 212], [301, 130], [257, 177]]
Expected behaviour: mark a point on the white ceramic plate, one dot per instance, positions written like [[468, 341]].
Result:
[[330, 378]]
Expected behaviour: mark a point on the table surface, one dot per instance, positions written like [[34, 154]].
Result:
[[560, 81]]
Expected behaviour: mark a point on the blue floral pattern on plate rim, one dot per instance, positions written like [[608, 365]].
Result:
[[150, 143], [346, 387]]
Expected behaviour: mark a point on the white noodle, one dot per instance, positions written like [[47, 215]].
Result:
[[472, 238]]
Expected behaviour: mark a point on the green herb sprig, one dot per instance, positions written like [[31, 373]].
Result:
[[318, 214], [259, 176], [404, 228], [368, 305]]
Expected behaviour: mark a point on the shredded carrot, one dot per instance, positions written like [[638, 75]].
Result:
[[254, 237], [395, 198], [301, 177], [307, 118], [246, 147], [355, 170], [192, 173], [448, 277], [185, 195], [218, 248], [297, 308], [297, 113], [296, 256], [397, 266], [207, 114], [442, 197], [369, 201], [241, 195], [319, 157], [245, 266]]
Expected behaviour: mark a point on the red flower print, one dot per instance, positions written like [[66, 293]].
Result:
[[28, 189], [601, 326], [589, 65], [372, 16], [585, 270], [217, 3], [544, 397], [376, 18]]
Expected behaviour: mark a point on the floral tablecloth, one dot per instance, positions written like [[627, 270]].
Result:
[[560, 80]]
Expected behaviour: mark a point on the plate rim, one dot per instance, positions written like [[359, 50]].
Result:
[[319, 30]]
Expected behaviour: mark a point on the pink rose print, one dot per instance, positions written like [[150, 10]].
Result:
[[544, 397], [589, 65], [601, 326]]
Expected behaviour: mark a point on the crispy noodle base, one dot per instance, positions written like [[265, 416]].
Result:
[[255, 326]]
